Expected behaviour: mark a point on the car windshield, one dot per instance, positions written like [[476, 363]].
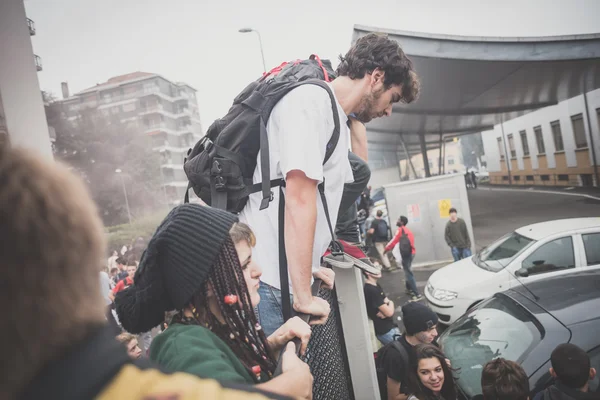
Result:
[[499, 327], [499, 254]]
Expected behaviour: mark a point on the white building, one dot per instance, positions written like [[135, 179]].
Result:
[[551, 146]]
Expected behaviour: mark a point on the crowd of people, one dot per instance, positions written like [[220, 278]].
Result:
[[204, 295]]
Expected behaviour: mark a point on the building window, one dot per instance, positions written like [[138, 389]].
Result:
[[106, 98], [587, 180], [430, 164], [517, 177], [500, 149], [511, 146], [529, 177], [524, 143], [129, 107], [563, 177], [505, 178], [579, 131], [557, 135], [545, 178], [115, 110], [539, 139], [450, 160]]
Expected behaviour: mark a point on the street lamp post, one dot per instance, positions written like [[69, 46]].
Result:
[[118, 171], [262, 53]]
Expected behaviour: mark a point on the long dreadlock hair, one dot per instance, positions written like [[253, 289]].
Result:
[[241, 330]]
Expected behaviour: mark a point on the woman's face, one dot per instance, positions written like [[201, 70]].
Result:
[[431, 374], [133, 349], [251, 270]]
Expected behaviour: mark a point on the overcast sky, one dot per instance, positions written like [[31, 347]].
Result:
[[85, 42]]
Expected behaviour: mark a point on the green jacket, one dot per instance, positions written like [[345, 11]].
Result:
[[196, 350]]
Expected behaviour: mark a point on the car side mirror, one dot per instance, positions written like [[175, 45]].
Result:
[[522, 272]]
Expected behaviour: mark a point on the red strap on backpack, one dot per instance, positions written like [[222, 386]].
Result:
[[316, 57]]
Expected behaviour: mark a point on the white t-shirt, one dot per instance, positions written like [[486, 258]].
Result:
[[299, 129]]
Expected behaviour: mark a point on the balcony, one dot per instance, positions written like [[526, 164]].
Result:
[[38, 62], [31, 26]]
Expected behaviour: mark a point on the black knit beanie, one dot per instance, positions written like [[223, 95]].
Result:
[[418, 318], [174, 266]]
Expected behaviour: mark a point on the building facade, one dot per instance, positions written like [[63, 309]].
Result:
[[166, 111], [22, 117], [451, 158], [548, 147]]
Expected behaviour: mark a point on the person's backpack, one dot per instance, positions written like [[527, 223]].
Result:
[[404, 245], [382, 229], [397, 348], [221, 165]]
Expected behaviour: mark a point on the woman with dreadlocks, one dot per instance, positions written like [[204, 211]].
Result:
[[199, 263]]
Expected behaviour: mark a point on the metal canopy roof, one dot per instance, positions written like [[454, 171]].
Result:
[[470, 84]]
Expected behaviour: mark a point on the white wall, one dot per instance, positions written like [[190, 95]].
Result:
[[562, 112], [21, 95], [384, 176]]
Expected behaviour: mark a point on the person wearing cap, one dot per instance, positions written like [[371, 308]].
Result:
[[56, 343], [420, 328], [199, 263], [380, 309]]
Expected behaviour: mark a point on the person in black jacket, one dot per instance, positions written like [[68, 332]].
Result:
[[572, 372]]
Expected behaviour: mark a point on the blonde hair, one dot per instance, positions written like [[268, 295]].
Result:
[[52, 243], [240, 231], [125, 338]]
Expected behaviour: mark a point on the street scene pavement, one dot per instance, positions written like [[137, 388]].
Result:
[[494, 213]]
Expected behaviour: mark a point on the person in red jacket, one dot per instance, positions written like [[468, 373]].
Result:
[[404, 237]]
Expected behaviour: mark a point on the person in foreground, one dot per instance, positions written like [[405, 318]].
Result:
[[430, 377], [56, 341], [503, 379], [199, 262], [572, 373]]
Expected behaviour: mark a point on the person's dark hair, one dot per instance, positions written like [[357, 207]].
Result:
[[379, 213], [402, 221], [452, 210], [415, 386], [504, 380], [241, 330], [375, 51], [571, 365], [114, 269], [121, 260]]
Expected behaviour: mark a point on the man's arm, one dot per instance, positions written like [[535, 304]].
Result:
[[387, 308], [447, 235], [393, 389], [300, 224], [394, 241]]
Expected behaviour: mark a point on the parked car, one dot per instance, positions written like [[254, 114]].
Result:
[[525, 324], [530, 253]]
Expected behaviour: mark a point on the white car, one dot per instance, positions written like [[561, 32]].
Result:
[[530, 253]]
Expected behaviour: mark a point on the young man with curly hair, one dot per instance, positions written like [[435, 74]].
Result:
[[372, 76]]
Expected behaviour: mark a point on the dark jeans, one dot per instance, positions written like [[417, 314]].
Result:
[[411, 285], [346, 227]]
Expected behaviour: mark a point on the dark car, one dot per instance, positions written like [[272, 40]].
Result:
[[525, 324]]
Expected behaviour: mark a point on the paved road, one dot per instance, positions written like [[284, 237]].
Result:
[[495, 212]]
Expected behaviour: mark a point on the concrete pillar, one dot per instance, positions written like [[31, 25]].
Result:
[[355, 323], [23, 108]]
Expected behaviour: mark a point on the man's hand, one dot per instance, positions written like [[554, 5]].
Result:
[[294, 327], [317, 308], [380, 315], [327, 275]]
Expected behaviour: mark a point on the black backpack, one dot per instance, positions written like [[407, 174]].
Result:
[[404, 245], [221, 165], [393, 346], [382, 229]]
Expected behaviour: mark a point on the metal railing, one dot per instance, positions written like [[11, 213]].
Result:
[[31, 26], [580, 180]]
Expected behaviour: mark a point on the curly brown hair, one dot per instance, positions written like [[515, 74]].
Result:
[[375, 51]]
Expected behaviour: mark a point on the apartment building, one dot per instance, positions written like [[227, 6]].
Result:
[[548, 147], [452, 161], [164, 110], [22, 117]]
